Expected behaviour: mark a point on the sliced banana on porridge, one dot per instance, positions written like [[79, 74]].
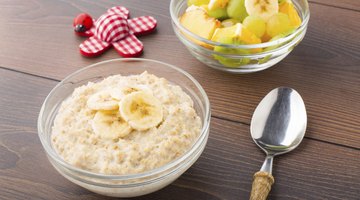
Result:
[[125, 125], [110, 125], [141, 110], [120, 93], [102, 101]]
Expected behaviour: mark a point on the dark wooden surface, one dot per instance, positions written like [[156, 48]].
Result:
[[38, 48]]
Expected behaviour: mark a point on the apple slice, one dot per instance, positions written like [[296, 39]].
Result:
[[196, 20], [229, 22], [217, 9]]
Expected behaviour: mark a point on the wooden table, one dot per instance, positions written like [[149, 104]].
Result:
[[38, 49]]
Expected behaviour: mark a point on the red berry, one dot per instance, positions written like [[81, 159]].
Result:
[[83, 22]]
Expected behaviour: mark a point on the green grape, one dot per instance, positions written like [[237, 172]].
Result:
[[236, 9], [233, 63], [213, 4], [256, 25], [278, 24], [278, 37], [230, 62], [218, 13], [197, 2], [264, 59]]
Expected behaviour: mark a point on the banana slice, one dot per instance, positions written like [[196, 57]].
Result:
[[120, 93], [141, 110], [110, 125], [262, 8], [102, 101]]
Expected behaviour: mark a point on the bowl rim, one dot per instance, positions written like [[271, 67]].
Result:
[[175, 21], [202, 136]]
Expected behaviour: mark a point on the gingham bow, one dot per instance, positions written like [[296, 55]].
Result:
[[115, 29]]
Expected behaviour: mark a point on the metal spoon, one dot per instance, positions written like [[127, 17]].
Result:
[[277, 126]]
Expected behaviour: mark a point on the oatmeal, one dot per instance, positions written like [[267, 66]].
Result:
[[125, 125]]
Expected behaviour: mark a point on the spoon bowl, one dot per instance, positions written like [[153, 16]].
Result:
[[278, 126]]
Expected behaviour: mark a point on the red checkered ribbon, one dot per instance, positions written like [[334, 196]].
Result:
[[130, 46], [93, 47], [111, 28], [119, 10], [141, 25], [114, 29]]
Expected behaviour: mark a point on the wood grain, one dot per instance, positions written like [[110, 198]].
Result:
[[324, 68], [315, 170], [346, 4]]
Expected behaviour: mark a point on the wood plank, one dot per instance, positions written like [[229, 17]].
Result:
[[315, 170], [323, 68], [346, 4], [47, 30]]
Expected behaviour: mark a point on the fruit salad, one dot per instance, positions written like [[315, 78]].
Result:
[[239, 22]]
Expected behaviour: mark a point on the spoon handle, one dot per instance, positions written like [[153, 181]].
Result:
[[261, 185]]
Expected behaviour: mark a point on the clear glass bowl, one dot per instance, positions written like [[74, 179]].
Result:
[[134, 184], [272, 52]]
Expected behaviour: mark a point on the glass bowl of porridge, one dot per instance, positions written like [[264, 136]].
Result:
[[125, 127]]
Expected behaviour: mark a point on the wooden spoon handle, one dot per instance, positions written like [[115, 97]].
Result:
[[261, 185]]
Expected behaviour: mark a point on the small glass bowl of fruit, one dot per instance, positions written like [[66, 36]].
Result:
[[240, 36]]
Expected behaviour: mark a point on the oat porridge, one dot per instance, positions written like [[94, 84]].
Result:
[[125, 125]]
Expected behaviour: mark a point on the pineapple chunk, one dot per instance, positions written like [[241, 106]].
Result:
[[287, 7], [238, 32]]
